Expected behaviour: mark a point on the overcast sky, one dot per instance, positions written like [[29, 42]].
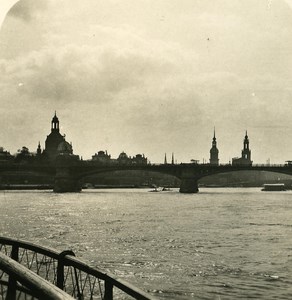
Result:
[[149, 76]]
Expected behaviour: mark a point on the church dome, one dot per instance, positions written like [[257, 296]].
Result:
[[65, 148], [123, 155]]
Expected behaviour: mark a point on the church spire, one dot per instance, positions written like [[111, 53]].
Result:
[[39, 149], [214, 157], [214, 143], [246, 142], [165, 160], [172, 158]]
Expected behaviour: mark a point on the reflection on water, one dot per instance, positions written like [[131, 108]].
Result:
[[218, 244]]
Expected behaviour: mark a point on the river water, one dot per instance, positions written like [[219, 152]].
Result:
[[217, 244]]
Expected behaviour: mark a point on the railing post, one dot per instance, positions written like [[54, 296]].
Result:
[[60, 275], [60, 268], [108, 293], [12, 283]]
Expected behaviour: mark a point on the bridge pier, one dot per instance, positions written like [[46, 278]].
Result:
[[65, 179], [65, 182], [189, 186]]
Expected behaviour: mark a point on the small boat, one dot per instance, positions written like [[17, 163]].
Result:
[[164, 189], [274, 187], [155, 190]]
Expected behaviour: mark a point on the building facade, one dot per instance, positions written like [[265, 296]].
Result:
[[139, 159], [101, 157]]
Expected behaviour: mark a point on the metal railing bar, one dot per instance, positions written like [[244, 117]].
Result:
[[117, 282], [30, 246], [3, 282], [129, 289], [39, 286], [20, 288], [75, 262], [79, 294]]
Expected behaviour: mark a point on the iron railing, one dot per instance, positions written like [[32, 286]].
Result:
[[17, 282], [65, 271]]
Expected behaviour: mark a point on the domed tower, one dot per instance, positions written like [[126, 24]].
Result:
[[65, 148], [214, 152], [54, 139]]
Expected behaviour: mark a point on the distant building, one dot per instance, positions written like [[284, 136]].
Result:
[[5, 155], [123, 159], [139, 159], [195, 161], [245, 158], [214, 152], [102, 157]]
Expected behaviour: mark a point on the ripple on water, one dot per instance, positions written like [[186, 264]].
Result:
[[218, 244]]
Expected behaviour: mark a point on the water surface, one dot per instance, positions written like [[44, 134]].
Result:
[[217, 244]]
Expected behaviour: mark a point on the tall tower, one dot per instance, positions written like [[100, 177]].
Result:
[[54, 139], [214, 152], [245, 159], [246, 153]]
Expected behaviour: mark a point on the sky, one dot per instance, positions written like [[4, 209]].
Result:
[[149, 76]]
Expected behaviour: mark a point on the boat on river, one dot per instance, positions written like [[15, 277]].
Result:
[[157, 189], [274, 187]]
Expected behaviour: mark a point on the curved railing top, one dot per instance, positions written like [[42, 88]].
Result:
[[65, 259]]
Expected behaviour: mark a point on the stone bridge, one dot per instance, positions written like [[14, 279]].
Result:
[[68, 174]]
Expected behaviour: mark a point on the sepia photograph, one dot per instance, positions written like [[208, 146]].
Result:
[[145, 149]]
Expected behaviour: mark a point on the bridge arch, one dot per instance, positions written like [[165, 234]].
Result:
[[68, 176], [129, 177], [24, 179], [244, 178]]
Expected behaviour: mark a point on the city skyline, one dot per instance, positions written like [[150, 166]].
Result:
[[55, 138], [150, 79]]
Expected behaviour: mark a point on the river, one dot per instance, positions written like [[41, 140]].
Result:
[[223, 243]]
